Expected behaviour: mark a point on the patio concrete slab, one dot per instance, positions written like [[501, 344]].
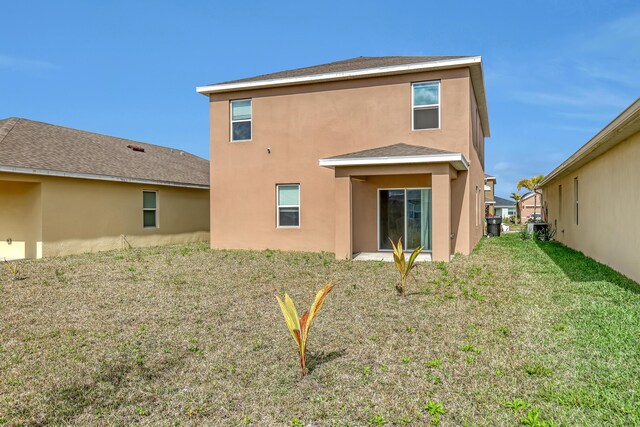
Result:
[[387, 256]]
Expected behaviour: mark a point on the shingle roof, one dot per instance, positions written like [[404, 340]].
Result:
[[359, 63], [395, 150], [503, 202], [27, 144]]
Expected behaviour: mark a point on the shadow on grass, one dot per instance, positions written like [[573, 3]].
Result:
[[316, 359], [580, 268]]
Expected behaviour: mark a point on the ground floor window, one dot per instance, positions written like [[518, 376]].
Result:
[[406, 213], [150, 209], [288, 201]]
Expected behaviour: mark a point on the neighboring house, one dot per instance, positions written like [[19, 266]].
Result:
[[344, 156], [489, 194], [530, 203], [505, 208], [592, 198], [65, 191]]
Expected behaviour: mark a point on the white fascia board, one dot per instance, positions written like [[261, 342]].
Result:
[[45, 172], [367, 72], [457, 160], [489, 202]]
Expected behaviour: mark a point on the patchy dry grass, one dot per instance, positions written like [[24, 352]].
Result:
[[184, 335]]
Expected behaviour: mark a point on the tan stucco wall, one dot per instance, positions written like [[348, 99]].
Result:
[[20, 219], [80, 215], [294, 127], [608, 228]]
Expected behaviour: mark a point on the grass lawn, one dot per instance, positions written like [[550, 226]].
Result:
[[183, 335]]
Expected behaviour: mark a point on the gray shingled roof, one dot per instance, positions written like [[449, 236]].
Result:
[[27, 144], [395, 150], [359, 63], [500, 202]]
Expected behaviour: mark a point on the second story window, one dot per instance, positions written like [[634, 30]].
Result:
[[426, 105], [241, 120]]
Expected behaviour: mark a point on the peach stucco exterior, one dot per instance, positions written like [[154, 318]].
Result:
[[489, 196], [44, 216], [295, 126], [606, 228], [530, 205]]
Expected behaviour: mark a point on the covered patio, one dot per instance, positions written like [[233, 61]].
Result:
[[20, 220], [397, 191]]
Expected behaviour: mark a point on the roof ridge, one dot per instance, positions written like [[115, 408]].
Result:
[[8, 126]]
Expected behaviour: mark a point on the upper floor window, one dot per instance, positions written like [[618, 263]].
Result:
[[241, 120], [426, 105]]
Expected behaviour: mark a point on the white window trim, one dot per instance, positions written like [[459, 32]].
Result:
[[231, 121], [405, 189], [278, 206], [156, 209], [427, 106]]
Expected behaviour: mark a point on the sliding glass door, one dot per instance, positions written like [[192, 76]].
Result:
[[404, 213]]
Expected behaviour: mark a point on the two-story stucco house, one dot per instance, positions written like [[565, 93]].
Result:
[[489, 194], [344, 156]]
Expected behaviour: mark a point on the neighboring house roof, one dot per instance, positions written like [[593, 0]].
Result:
[[620, 128], [504, 203], [488, 177], [526, 196], [362, 67], [32, 147], [397, 154]]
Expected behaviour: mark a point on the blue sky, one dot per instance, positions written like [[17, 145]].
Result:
[[556, 72]]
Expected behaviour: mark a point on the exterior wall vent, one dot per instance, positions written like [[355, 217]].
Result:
[[136, 148]]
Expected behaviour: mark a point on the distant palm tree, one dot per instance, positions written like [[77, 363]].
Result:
[[530, 184], [517, 197]]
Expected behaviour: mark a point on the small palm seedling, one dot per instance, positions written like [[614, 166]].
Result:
[[299, 327], [404, 267], [12, 268], [517, 404], [436, 410]]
